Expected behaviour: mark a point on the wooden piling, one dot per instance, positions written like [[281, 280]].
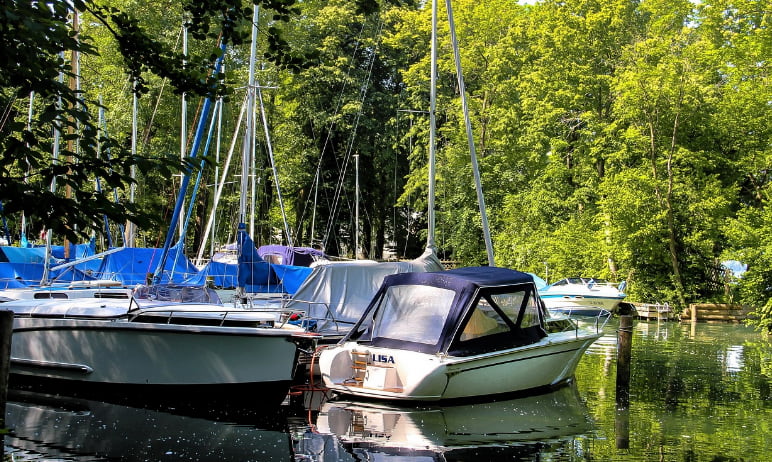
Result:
[[624, 353], [6, 330]]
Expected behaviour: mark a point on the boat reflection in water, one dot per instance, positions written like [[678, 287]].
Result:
[[76, 429], [499, 429]]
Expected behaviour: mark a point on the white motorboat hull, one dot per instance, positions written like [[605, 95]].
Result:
[[114, 357], [395, 374], [577, 302], [583, 296]]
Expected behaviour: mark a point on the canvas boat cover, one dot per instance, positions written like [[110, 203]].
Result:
[[289, 255], [23, 266], [461, 312], [336, 294], [134, 265]]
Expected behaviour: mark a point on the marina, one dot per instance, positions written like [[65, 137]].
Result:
[[344, 337], [697, 392]]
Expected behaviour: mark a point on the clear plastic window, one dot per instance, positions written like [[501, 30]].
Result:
[[484, 321], [531, 314], [510, 304], [413, 314]]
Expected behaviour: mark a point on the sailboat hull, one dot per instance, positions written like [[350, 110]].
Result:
[[152, 360]]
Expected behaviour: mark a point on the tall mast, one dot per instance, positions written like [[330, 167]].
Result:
[[430, 243], [470, 137], [74, 85], [249, 136], [183, 109], [131, 228], [356, 201]]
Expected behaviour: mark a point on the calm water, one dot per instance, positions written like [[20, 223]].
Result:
[[698, 393]]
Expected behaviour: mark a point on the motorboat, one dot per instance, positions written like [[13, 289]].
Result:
[[583, 296], [462, 333], [166, 342]]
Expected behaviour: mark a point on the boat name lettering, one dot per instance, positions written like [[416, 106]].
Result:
[[382, 359]]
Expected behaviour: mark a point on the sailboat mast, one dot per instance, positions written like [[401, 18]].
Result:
[[75, 86], [470, 136], [430, 243], [183, 109], [249, 135], [356, 201], [23, 235], [186, 179], [130, 226]]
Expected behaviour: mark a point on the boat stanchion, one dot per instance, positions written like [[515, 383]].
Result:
[[6, 330]]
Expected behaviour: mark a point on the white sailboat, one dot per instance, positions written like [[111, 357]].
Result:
[[169, 343], [166, 343]]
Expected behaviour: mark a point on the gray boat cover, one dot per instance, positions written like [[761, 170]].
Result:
[[337, 294]]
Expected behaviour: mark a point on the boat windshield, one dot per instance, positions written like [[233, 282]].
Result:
[[413, 313]]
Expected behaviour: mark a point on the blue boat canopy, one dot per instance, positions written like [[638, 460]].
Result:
[[460, 312]]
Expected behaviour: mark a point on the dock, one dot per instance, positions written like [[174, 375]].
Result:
[[715, 312], [657, 311]]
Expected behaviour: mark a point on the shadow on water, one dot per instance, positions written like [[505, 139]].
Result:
[[44, 427]]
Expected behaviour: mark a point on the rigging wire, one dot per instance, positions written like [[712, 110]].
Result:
[[364, 87], [338, 105]]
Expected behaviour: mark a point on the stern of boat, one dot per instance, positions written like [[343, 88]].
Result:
[[382, 373]]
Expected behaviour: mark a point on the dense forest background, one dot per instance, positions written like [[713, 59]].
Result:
[[619, 139]]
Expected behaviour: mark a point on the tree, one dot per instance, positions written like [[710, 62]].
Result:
[[40, 43]]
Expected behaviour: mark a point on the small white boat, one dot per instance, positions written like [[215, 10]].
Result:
[[170, 344], [582, 296], [462, 333]]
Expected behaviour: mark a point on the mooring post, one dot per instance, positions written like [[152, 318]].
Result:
[[624, 353], [6, 330]]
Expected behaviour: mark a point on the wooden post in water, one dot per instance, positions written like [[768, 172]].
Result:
[[624, 353], [6, 329]]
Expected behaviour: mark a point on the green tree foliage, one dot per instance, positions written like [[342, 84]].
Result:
[[626, 140], [40, 43]]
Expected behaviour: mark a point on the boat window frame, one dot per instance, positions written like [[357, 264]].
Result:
[[363, 330], [456, 344]]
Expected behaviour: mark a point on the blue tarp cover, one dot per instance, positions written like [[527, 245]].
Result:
[[132, 265], [254, 274]]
